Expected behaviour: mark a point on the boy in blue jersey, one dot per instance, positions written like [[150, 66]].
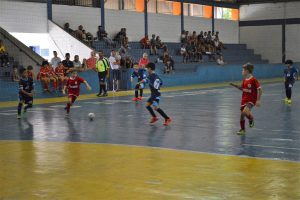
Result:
[[154, 84], [140, 73], [26, 87], [290, 74]]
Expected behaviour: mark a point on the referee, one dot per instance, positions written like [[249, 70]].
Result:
[[102, 67]]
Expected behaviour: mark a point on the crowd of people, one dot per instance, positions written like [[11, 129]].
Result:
[[194, 47]]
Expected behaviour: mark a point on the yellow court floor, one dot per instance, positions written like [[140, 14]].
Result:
[[53, 170]]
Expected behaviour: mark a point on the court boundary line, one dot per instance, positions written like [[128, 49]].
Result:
[[158, 148]]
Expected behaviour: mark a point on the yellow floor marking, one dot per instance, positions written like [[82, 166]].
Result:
[[44, 170], [128, 93]]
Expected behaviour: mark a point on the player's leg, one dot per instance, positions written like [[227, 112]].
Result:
[[161, 112], [101, 80], [248, 114], [20, 105], [286, 86], [71, 100], [141, 91], [29, 103], [149, 108], [136, 92], [289, 93]]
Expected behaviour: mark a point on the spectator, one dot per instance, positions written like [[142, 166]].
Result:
[[79, 32], [183, 37], [218, 50], [67, 28], [114, 61], [153, 45], [102, 35], [184, 54], [43, 76], [169, 63], [55, 60], [68, 64], [120, 36], [3, 54], [144, 60], [60, 73], [15, 75], [77, 64], [128, 62], [159, 43], [91, 61], [145, 42], [189, 50]]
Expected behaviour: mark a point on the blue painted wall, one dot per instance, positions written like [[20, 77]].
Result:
[[203, 74]]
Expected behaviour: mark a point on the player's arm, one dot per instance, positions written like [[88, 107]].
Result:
[[236, 86], [21, 89], [259, 94], [87, 85]]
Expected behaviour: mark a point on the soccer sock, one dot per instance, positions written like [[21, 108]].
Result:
[[136, 93], [104, 88], [68, 107], [141, 92], [151, 111], [20, 105], [242, 123], [55, 84], [250, 117], [162, 113], [289, 93]]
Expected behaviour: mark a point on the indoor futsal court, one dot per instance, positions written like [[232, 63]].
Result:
[[119, 155]]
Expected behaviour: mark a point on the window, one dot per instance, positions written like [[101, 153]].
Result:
[[112, 4], [129, 5], [164, 7], [223, 13]]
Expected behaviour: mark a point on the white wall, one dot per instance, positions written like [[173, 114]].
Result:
[[23, 17], [266, 40], [68, 44], [167, 26]]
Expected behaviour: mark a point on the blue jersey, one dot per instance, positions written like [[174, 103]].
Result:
[[290, 74], [140, 74], [154, 84], [27, 85]]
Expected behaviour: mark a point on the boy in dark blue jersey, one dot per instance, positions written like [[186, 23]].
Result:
[[154, 84], [290, 74], [26, 87], [140, 73]]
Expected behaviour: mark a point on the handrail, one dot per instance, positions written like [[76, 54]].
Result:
[[22, 47]]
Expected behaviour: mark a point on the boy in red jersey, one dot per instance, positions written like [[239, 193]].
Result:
[[52, 76], [60, 73], [42, 75], [73, 86], [30, 72], [251, 96]]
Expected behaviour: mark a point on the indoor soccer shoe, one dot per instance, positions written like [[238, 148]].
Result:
[[140, 98], [289, 101], [153, 120], [241, 132], [135, 99], [251, 124], [167, 122], [19, 117]]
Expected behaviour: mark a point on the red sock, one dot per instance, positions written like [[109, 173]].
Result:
[[68, 107], [55, 84], [242, 123]]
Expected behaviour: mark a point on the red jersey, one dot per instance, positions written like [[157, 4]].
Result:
[[50, 71], [42, 73], [73, 85], [60, 71], [30, 74], [249, 88]]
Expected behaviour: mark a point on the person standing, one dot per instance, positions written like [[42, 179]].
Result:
[[115, 68], [102, 67], [290, 74]]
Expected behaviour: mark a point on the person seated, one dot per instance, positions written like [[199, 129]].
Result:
[[189, 50], [183, 37], [68, 64], [42, 75], [153, 48], [102, 35], [145, 42], [183, 53], [144, 60], [120, 36], [218, 51], [169, 63], [52, 76], [159, 43], [61, 77], [79, 32], [91, 61], [67, 28], [3, 55]]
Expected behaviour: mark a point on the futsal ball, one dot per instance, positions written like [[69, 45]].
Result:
[[91, 116]]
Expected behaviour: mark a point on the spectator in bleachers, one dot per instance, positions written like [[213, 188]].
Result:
[[145, 42], [3, 54], [79, 32], [91, 61], [15, 75], [119, 38], [67, 28], [68, 64], [128, 62], [43, 76], [183, 37], [144, 60], [55, 60], [159, 43], [153, 48], [218, 51], [184, 54], [102, 35], [77, 64]]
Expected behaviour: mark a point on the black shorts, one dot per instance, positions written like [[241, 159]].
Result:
[[289, 84], [154, 101], [116, 74], [26, 99], [102, 76]]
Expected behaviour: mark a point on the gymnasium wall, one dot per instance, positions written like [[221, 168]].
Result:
[[267, 39]]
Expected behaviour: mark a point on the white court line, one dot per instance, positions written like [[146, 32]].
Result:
[[275, 147], [8, 114]]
